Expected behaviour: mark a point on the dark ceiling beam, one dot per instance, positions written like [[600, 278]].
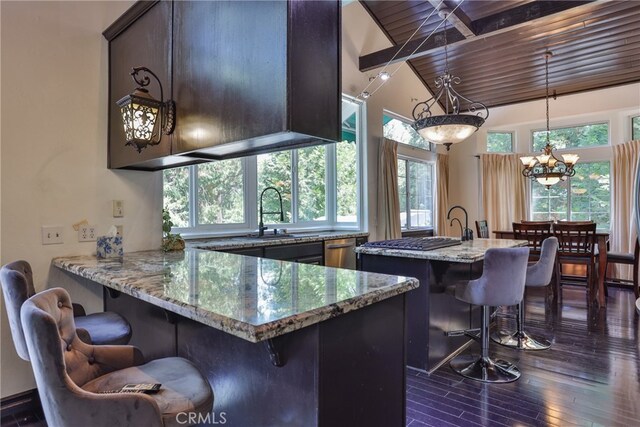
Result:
[[456, 17], [488, 26]]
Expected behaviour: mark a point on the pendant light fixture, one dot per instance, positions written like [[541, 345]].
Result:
[[453, 126], [140, 112], [546, 168]]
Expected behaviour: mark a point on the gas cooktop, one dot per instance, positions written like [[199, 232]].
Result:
[[415, 243]]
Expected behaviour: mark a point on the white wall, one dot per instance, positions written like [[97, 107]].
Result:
[[613, 105], [54, 150], [361, 36]]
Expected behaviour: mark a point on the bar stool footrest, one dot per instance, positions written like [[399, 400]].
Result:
[[520, 340], [487, 370]]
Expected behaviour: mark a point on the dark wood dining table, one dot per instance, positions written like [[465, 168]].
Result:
[[597, 295]]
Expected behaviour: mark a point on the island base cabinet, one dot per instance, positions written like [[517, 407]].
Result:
[[432, 308], [345, 371]]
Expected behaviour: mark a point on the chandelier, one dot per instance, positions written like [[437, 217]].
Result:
[[451, 127], [546, 168]]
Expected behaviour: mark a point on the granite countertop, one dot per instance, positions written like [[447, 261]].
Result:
[[252, 298], [467, 252], [226, 243]]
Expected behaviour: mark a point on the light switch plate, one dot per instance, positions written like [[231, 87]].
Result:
[[118, 208], [52, 235]]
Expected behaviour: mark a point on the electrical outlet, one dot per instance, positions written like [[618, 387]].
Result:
[[119, 228], [118, 208], [87, 233], [52, 235]]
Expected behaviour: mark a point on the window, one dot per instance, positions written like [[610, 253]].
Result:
[[635, 127], [590, 135], [399, 129], [319, 187], [415, 172], [500, 142], [585, 196], [415, 188]]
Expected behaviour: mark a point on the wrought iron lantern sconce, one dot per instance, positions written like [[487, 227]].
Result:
[[546, 168], [455, 125], [140, 112]]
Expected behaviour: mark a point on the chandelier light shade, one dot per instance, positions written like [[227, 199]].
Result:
[[140, 112], [546, 168], [455, 125]]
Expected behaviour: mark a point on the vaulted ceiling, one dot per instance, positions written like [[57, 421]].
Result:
[[497, 47]]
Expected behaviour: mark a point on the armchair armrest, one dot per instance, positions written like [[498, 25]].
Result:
[[115, 357]]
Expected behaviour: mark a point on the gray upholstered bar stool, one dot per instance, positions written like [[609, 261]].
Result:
[[501, 283], [16, 279], [538, 275]]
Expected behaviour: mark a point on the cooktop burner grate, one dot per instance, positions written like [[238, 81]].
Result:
[[415, 243]]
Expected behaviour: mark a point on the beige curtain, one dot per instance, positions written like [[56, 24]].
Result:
[[442, 194], [625, 163], [503, 190], [388, 199]]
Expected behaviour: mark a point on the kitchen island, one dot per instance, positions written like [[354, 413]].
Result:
[[432, 309], [281, 343]]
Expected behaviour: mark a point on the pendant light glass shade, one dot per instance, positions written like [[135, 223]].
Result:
[[456, 124]]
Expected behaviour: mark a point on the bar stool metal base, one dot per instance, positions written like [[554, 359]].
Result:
[[485, 369], [520, 340]]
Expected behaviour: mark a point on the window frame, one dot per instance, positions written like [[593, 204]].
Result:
[[409, 159], [513, 140], [250, 193], [569, 126], [632, 118], [407, 121], [570, 195]]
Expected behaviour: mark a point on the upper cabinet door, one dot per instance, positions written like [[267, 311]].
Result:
[[229, 72], [146, 42]]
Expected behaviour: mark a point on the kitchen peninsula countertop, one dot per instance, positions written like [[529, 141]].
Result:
[[251, 298], [239, 242], [467, 252]]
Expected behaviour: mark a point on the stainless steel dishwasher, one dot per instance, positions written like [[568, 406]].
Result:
[[339, 253]]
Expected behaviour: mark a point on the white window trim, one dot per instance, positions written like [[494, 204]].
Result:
[[407, 195], [513, 141], [250, 186], [408, 121], [569, 194], [634, 116], [574, 125]]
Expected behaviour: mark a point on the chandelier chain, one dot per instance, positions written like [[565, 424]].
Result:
[[546, 82]]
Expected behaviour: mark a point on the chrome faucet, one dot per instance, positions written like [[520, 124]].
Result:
[[261, 226], [467, 234]]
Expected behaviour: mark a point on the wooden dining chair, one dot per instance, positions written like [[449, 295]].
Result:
[[577, 243], [482, 228], [534, 233]]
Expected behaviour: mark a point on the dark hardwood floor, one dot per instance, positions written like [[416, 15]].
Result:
[[589, 377]]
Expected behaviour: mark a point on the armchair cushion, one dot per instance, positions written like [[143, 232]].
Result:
[[183, 388], [105, 328]]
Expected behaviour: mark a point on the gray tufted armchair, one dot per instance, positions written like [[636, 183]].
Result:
[[70, 374]]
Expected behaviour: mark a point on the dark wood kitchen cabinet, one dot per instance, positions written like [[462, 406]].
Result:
[[307, 253], [247, 77]]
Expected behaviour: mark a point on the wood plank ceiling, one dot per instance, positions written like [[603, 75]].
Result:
[[500, 60]]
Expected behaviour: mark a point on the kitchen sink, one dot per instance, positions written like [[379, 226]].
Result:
[[278, 236]]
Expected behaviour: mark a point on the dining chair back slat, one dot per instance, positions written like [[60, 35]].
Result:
[[533, 233], [576, 239], [482, 227]]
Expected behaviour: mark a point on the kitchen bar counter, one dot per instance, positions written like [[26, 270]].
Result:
[[244, 296], [467, 252], [241, 242], [432, 309], [277, 340]]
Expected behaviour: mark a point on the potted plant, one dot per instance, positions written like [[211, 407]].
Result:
[[170, 241]]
